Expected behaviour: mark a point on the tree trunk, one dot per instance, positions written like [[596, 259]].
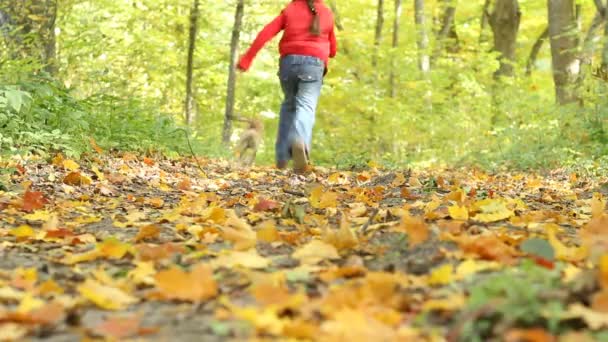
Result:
[[234, 45], [337, 17], [378, 34], [189, 105], [504, 21], [564, 38], [29, 29], [392, 79], [483, 23], [538, 44], [49, 40], [447, 30], [604, 66], [424, 63]]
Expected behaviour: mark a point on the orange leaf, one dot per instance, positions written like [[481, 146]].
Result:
[[416, 229], [148, 161], [150, 231], [266, 205], [118, 327], [529, 335], [94, 146], [184, 184], [599, 301], [488, 247], [33, 200], [194, 286], [73, 178]]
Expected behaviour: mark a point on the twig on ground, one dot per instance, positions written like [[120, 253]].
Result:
[[371, 219]]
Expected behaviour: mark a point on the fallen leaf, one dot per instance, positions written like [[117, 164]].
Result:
[[194, 286], [106, 297], [416, 229], [249, 259], [314, 252], [266, 205], [150, 231], [33, 200], [118, 327], [458, 212]]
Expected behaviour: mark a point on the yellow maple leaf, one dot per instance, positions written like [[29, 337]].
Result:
[[315, 251], [194, 286], [343, 238], [71, 165], [561, 251], [441, 275], [23, 231], [113, 248], [458, 212], [106, 297], [323, 199], [249, 259], [492, 210]]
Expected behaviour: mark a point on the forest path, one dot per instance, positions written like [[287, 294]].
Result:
[[131, 247]]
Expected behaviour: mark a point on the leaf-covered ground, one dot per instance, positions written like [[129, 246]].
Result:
[[130, 247]]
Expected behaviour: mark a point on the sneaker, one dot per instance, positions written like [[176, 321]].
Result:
[[300, 158], [282, 164]]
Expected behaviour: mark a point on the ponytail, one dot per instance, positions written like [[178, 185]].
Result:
[[315, 27]]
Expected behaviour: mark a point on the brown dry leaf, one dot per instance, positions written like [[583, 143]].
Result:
[[194, 286], [150, 231]]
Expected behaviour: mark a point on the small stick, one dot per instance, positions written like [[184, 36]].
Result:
[[371, 219]]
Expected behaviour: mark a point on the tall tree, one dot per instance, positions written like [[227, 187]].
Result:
[[564, 41], [378, 32], [189, 104], [29, 27], [538, 44], [504, 21], [447, 31], [396, 24], [234, 46], [422, 41]]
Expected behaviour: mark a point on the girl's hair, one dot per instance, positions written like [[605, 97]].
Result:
[[315, 27]]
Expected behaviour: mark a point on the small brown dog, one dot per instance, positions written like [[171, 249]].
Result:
[[249, 141]]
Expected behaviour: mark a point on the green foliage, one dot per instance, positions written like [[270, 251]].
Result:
[[516, 297], [39, 115]]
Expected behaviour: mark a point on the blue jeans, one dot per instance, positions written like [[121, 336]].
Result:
[[301, 80]]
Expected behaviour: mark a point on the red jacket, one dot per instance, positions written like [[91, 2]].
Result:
[[295, 20]]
